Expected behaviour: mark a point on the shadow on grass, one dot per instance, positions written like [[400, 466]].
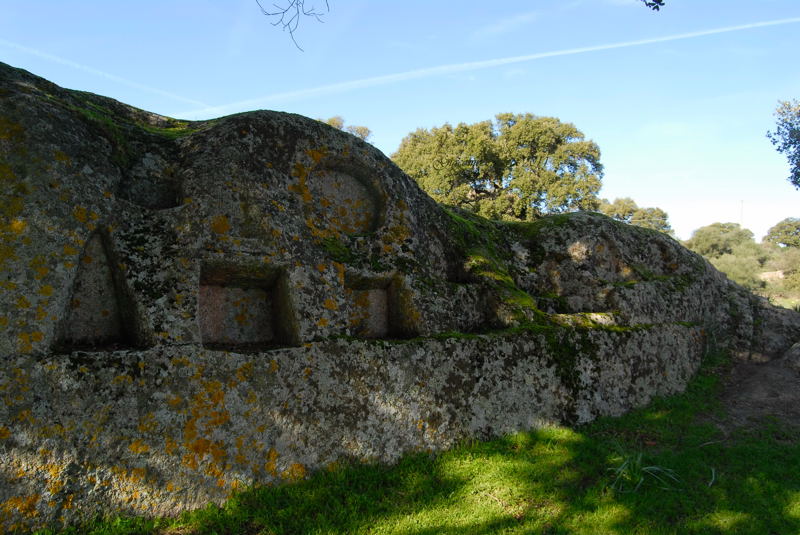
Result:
[[657, 470]]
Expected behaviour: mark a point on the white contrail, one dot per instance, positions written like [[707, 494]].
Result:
[[460, 67], [96, 72]]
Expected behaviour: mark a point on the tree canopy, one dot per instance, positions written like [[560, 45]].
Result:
[[517, 167], [786, 136], [785, 233], [717, 239], [626, 210], [337, 122]]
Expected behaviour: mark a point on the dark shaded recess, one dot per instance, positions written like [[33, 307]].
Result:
[[76, 332], [398, 314], [270, 282]]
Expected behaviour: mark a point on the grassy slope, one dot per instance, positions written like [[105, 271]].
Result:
[[658, 470]]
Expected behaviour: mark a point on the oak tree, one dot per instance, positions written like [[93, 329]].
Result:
[[786, 233], [517, 167], [786, 136]]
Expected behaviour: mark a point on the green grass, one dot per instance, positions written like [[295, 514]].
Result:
[[658, 470]]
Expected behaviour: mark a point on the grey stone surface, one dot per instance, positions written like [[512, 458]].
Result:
[[267, 295]]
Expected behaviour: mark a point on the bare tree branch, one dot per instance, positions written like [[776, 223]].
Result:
[[289, 15], [654, 4]]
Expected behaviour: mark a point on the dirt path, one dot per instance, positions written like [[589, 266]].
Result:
[[755, 392]]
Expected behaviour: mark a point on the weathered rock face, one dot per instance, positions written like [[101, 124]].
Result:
[[188, 308]]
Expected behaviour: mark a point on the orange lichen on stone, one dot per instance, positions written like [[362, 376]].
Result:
[[25, 506], [244, 372], [316, 155], [5, 432], [220, 224], [330, 304], [272, 462], [170, 446], [147, 423], [81, 214], [301, 172], [17, 226], [295, 472], [322, 322], [25, 341], [339, 271]]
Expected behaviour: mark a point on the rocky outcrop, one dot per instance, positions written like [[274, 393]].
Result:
[[187, 308]]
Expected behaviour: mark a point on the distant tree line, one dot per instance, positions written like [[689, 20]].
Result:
[[732, 250]]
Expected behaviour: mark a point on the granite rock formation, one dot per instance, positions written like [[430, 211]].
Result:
[[189, 308]]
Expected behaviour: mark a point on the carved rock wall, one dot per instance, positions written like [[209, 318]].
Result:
[[189, 308]]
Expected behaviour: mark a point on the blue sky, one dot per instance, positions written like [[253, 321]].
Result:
[[678, 100]]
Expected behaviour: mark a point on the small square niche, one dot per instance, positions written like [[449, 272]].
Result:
[[245, 309], [377, 308]]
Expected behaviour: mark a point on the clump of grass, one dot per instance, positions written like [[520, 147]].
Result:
[[632, 472]]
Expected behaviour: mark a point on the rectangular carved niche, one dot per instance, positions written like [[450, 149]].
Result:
[[246, 309], [379, 307]]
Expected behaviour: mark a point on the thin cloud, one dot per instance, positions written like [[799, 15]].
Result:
[[102, 74], [506, 25], [362, 83]]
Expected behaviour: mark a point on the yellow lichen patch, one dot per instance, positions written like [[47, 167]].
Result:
[[81, 214], [273, 366], [70, 250], [295, 472], [220, 224], [272, 461], [339, 271], [41, 272], [22, 302], [122, 378], [322, 322], [26, 416], [330, 304], [25, 341], [301, 172], [46, 290], [3, 321], [244, 372], [307, 373], [5, 432], [189, 461], [316, 154], [147, 423], [25, 506], [321, 268], [62, 157], [170, 445], [17, 226]]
